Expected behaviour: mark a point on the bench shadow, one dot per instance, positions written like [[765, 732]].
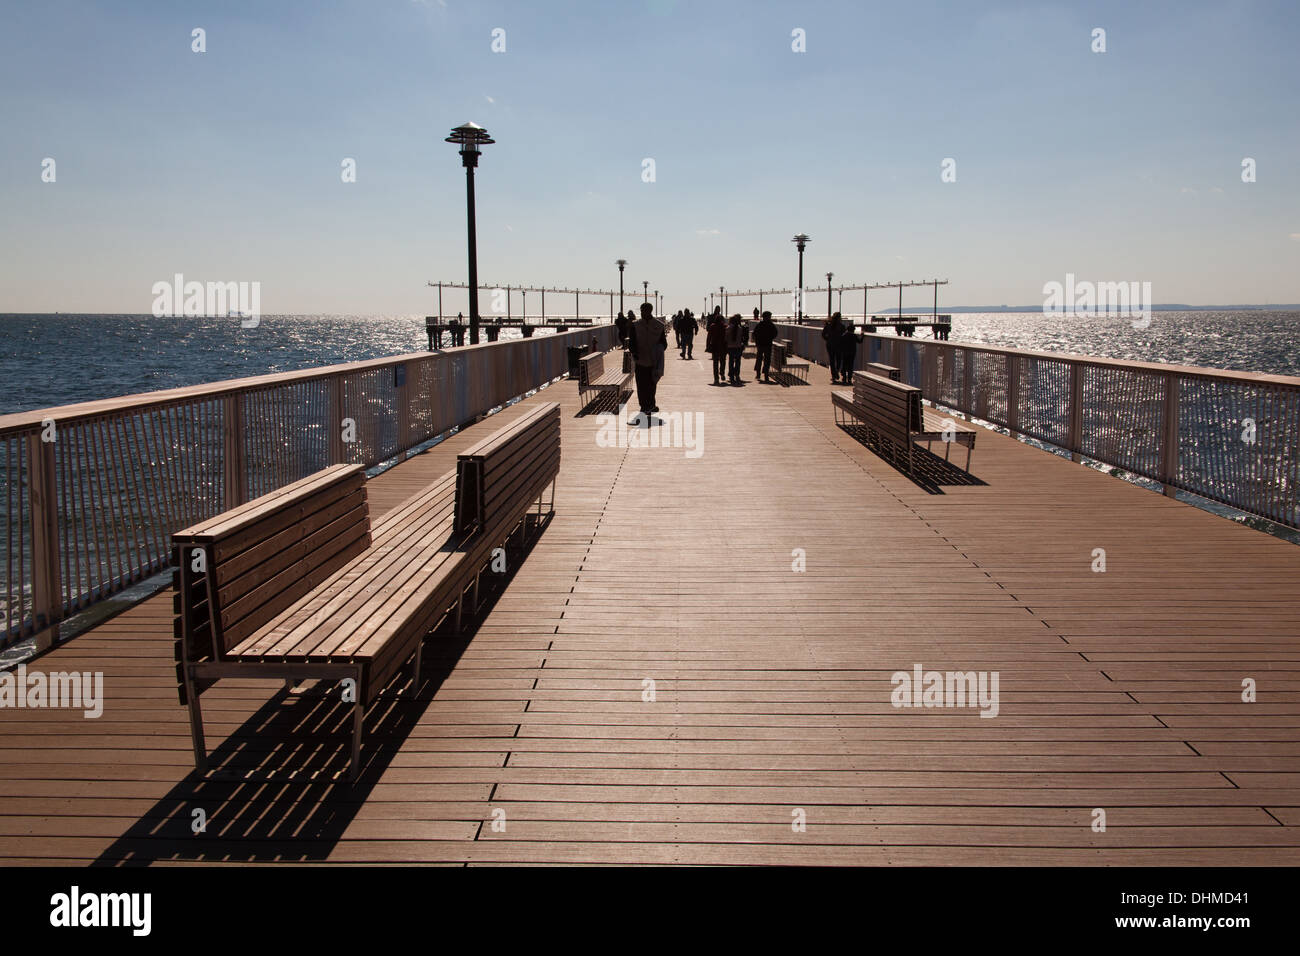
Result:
[[929, 471], [605, 402], [277, 789]]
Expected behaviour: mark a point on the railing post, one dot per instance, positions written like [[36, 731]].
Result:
[[234, 471], [966, 376], [1013, 393], [1169, 435], [43, 505], [402, 392], [1075, 437], [334, 427]]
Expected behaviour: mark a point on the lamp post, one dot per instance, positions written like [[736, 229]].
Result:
[[658, 307], [622, 263], [828, 294], [800, 242], [722, 297], [470, 136], [645, 290]]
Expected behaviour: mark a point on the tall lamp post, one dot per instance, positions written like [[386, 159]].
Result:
[[828, 294], [645, 290], [722, 297], [800, 242], [469, 137], [622, 263]]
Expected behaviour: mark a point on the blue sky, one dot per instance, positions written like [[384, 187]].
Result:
[[225, 165]]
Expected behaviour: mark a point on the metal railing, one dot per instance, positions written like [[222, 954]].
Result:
[[91, 493], [1230, 437]]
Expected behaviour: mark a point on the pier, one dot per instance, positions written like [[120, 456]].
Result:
[[693, 662]]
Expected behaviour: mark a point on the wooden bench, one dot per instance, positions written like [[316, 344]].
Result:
[[884, 371], [592, 377], [893, 411], [784, 365], [297, 584]]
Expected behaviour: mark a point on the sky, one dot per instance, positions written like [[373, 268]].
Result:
[[226, 165]]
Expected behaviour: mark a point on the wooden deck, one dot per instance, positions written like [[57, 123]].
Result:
[[1119, 690]]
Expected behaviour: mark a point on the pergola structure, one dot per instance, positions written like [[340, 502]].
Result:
[[862, 287], [523, 290]]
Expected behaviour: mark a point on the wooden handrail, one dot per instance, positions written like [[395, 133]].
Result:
[[91, 492]]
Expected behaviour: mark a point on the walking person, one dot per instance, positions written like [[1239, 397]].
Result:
[[677, 330], [735, 347], [831, 332], [849, 340], [764, 335], [621, 324], [715, 343], [688, 335], [648, 340]]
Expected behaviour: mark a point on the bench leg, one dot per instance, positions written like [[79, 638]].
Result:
[[419, 660], [196, 726], [358, 717], [969, 447]]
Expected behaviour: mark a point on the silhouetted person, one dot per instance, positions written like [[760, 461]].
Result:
[[457, 329], [831, 332], [621, 324], [765, 333], [677, 330], [647, 339], [715, 343], [735, 346], [688, 335], [849, 340]]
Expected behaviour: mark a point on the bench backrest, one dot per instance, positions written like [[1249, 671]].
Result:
[[895, 408], [507, 469], [884, 371], [237, 570], [591, 367]]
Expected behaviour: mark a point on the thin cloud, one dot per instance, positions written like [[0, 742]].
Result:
[[708, 232]]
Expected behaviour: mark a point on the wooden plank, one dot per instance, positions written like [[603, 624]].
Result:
[[1118, 690]]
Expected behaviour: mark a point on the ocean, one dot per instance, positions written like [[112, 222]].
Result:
[[48, 360]]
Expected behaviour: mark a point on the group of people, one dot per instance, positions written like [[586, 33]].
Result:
[[841, 348], [727, 339]]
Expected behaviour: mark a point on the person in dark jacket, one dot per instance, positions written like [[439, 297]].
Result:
[[647, 339], [457, 329], [849, 340], [621, 323], [688, 335], [735, 346], [831, 333], [764, 335], [715, 343]]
